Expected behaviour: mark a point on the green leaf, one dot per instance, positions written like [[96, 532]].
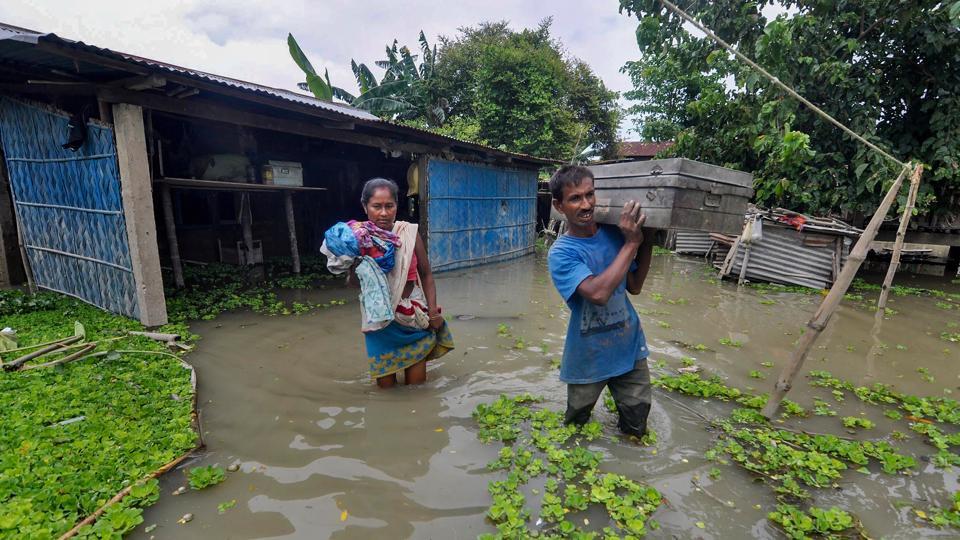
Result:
[[301, 59]]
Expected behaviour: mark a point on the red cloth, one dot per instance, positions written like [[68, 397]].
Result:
[[412, 273], [377, 252]]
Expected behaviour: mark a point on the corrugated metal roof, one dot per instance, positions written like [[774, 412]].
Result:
[[29, 56]]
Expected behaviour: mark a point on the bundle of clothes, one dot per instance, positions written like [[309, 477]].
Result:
[[379, 252]]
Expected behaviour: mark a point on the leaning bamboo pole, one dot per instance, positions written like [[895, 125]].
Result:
[[901, 232], [829, 305]]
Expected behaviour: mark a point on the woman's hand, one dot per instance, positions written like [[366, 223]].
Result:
[[352, 279], [436, 321]]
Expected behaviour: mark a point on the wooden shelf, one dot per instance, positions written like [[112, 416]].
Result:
[[219, 185]]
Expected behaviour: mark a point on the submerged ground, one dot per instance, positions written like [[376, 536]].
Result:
[[323, 453]]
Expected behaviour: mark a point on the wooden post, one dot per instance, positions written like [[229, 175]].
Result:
[[743, 266], [246, 222], [901, 232], [171, 227], [14, 266], [292, 228], [829, 305], [137, 194], [423, 201]]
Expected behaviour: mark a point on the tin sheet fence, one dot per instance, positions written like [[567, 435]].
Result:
[[68, 206], [478, 213]]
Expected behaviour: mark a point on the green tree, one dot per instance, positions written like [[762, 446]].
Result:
[[890, 71], [519, 91]]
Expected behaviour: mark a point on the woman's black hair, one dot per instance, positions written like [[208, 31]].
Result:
[[373, 185]]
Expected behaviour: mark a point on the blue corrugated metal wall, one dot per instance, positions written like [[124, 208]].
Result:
[[68, 207], [479, 213]]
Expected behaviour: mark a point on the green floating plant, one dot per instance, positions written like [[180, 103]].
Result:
[[540, 445]]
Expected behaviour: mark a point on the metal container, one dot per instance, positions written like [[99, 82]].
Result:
[[283, 173], [674, 193]]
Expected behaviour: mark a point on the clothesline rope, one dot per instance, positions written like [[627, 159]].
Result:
[[685, 16]]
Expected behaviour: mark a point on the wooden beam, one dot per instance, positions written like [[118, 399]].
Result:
[[222, 185], [141, 82], [137, 193], [208, 110]]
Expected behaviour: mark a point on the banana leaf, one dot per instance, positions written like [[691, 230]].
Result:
[[321, 89], [343, 95], [396, 89], [384, 106], [301, 59], [409, 64], [365, 78]]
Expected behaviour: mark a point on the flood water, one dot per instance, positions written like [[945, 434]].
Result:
[[324, 454]]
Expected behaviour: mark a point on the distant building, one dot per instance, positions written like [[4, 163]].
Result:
[[640, 150]]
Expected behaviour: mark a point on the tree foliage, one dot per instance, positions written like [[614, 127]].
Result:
[[520, 91], [888, 70]]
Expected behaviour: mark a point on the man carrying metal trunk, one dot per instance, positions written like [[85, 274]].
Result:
[[593, 266]]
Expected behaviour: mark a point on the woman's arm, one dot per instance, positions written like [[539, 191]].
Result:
[[429, 287]]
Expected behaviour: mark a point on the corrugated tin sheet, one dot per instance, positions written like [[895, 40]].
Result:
[[692, 242], [781, 257], [479, 214], [16, 45]]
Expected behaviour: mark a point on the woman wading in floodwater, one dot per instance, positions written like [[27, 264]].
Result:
[[413, 330]]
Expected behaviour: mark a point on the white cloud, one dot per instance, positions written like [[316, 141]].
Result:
[[246, 39]]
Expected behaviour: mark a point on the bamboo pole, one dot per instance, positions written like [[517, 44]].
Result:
[[75, 356], [901, 232], [829, 305], [11, 366], [34, 346], [123, 493], [171, 228], [292, 228]]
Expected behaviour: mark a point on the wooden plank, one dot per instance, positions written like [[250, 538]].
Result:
[[190, 183], [137, 195]]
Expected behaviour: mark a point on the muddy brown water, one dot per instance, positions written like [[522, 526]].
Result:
[[323, 454]]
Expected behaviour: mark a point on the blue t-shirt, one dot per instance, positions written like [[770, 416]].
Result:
[[602, 341]]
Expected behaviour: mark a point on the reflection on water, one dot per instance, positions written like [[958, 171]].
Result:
[[323, 453]]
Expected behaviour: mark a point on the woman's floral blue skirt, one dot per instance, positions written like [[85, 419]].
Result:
[[398, 347]]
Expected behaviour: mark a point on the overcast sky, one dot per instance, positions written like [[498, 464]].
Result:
[[246, 39]]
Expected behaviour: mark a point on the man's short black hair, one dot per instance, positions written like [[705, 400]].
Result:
[[568, 175]]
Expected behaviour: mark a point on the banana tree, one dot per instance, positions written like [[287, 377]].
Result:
[[400, 94]]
